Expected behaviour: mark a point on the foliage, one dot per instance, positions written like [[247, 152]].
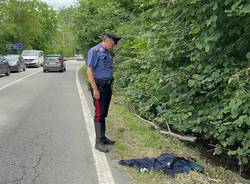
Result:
[[185, 63], [30, 22], [66, 42], [93, 18]]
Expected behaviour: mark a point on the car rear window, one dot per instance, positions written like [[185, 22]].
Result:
[[53, 59], [12, 57]]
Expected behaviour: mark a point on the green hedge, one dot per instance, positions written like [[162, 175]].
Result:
[[185, 63]]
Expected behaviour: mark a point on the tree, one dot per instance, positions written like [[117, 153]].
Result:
[[31, 22]]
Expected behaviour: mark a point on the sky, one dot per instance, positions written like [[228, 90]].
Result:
[[56, 4]]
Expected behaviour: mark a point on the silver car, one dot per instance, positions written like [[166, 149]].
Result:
[[16, 63], [33, 58]]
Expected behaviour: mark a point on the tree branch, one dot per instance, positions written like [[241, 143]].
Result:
[[169, 132], [240, 72], [191, 74], [148, 122], [181, 137]]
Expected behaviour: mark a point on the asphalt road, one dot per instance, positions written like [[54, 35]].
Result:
[[43, 136]]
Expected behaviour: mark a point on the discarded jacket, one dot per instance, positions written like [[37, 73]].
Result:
[[168, 163]]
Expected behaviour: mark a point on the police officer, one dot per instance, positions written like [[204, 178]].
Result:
[[99, 73]]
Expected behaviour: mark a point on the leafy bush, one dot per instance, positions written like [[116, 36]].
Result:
[[186, 63]]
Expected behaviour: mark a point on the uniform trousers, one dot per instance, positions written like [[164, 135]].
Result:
[[101, 107]]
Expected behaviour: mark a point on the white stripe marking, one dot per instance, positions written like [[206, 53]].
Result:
[[102, 167], [12, 83]]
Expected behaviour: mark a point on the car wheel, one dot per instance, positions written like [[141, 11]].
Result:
[[65, 69], [44, 71], [8, 73]]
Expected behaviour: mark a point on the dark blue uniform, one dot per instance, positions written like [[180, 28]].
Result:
[[101, 62]]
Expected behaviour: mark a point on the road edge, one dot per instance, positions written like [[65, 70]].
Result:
[[103, 170]]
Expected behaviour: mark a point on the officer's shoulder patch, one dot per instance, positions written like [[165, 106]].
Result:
[[97, 49]]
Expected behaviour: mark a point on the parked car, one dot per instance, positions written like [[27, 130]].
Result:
[[16, 63], [79, 57], [4, 66], [33, 58], [54, 62]]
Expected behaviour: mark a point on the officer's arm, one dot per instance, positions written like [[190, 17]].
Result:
[[91, 79], [92, 61]]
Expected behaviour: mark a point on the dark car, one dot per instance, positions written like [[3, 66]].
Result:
[[16, 63], [54, 62], [4, 66]]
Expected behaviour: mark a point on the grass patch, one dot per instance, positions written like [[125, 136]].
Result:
[[83, 72], [136, 140]]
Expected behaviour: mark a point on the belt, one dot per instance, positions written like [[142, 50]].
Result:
[[104, 82]]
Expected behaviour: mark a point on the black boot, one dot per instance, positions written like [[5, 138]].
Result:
[[103, 129], [104, 139], [99, 144], [107, 141]]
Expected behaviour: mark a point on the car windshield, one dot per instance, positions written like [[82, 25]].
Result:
[[12, 57], [29, 53], [53, 59], [53, 55]]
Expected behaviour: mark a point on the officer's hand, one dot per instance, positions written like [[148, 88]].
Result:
[[96, 94]]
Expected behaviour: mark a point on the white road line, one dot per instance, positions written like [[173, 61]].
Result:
[[12, 83], [102, 167]]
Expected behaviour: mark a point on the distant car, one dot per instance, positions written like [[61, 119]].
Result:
[[4, 66], [79, 57], [16, 63], [54, 62], [33, 58]]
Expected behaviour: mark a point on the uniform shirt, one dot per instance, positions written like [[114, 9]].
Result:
[[101, 61]]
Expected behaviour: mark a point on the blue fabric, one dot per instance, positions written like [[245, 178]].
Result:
[[101, 61], [168, 163]]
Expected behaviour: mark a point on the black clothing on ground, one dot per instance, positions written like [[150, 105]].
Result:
[[168, 163]]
